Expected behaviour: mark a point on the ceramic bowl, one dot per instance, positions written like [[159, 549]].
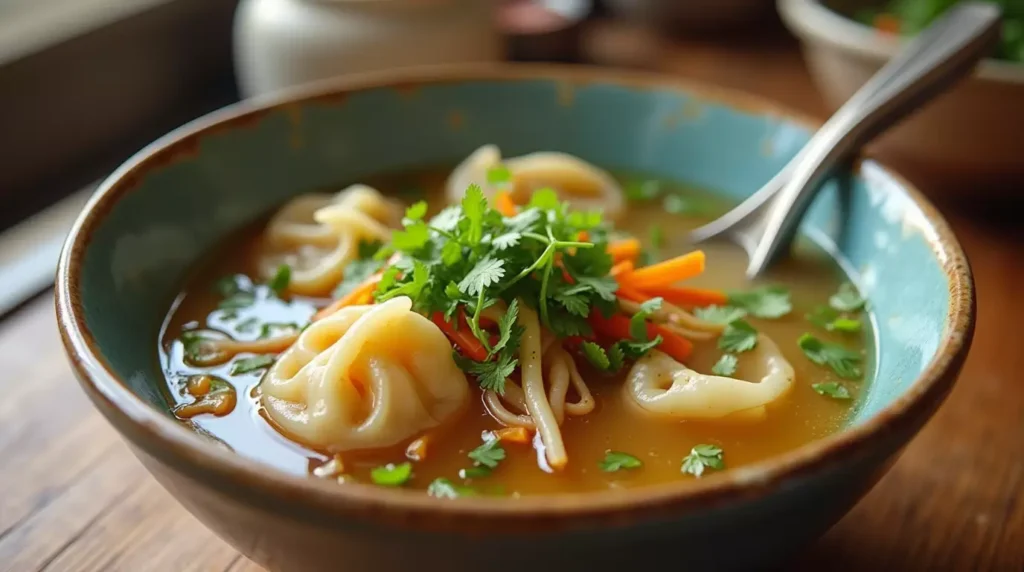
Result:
[[966, 142], [154, 218]]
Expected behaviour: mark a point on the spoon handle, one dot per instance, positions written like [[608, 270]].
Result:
[[942, 54]]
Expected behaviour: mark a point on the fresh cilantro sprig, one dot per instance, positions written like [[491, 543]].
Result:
[[768, 302], [703, 457], [639, 344], [470, 257], [844, 362]]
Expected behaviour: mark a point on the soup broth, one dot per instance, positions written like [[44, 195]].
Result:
[[226, 299]]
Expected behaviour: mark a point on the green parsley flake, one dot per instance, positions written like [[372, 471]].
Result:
[[720, 314], [642, 190], [283, 276], [488, 455], [392, 475], [738, 337], [832, 389], [237, 301], [474, 473], [726, 365], [703, 457], [769, 302], [444, 489], [615, 461], [251, 364], [499, 175], [845, 363], [847, 299], [829, 319]]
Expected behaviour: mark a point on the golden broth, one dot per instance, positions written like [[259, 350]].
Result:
[[801, 416]]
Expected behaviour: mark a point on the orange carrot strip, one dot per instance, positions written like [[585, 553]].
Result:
[[665, 273], [503, 203], [688, 296], [462, 337], [583, 236], [624, 267], [626, 249], [617, 327], [887, 23], [513, 435], [632, 295], [355, 297]]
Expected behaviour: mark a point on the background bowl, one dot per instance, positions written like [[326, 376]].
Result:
[[161, 212], [966, 141]]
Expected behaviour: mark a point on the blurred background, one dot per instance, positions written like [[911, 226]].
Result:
[[85, 83]]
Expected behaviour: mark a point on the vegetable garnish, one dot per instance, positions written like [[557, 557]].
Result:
[[444, 489], [283, 276], [616, 460], [392, 475], [831, 389], [703, 457], [726, 365], [768, 302], [488, 455], [625, 249], [686, 297], [738, 336], [360, 270], [829, 319], [666, 273], [845, 363], [720, 314], [847, 299], [250, 364], [636, 336]]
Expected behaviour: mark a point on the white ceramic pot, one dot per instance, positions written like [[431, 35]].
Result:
[[283, 43]]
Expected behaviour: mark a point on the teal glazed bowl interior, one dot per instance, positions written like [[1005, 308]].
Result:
[[158, 215]]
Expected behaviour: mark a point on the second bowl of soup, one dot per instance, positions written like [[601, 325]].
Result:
[[456, 319]]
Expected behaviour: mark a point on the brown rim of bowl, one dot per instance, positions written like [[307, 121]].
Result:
[[259, 484], [812, 20]]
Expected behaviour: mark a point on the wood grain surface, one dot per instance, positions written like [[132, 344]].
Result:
[[72, 497]]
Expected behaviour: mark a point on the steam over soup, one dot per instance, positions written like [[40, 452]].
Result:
[[494, 332]]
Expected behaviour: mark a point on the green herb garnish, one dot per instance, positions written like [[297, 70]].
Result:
[[499, 175], [642, 190], [488, 455], [237, 301], [769, 302], [474, 473], [829, 319], [270, 328], [392, 475], [726, 365], [847, 299], [845, 363], [831, 389], [738, 337], [614, 357], [250, 364], [616, 460], [283, 276], [703, 457], [228, 285], [720, 314]]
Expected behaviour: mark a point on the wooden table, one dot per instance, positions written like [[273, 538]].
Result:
[[72, 497]]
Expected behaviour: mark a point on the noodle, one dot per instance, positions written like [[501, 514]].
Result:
[[216, 352], [533, 386], [678, 320]]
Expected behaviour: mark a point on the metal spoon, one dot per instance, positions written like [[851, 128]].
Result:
[[943, 53]]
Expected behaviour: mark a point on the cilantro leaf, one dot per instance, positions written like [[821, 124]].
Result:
[[642, 190], [575, 303], [227, 286], [411, 288], [237, 301], [486, 272], [616, 357], [545, 199], [474, 206], [283, 276], [250, 364], [720, 314], [847, 299], [596, 355], [845, 363], [392, 475], [444, 489], [507, 240], [499, 175], [448, 219], [488, 455], [368, 248], [829, 319], [508, 332], [768, 302], [832, 389], [451, 253], [491, 375], [726, 365], [616, 460], [845, 325], [638, 323], [416, 211], [603, 286], [414, 237], [738, 337], [703, 457], [355, 274]]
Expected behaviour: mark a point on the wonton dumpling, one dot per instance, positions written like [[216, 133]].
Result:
[[662, 387], [317, 235], [363, 378], [583, 185]]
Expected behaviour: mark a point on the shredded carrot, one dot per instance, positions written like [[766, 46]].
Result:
[[624, 267], [617, 327], [665, 273], [462, 337], [513, 435], [887, 23], [632, 295], [626, 249], [503, 203], [362, 294], [687, 296]]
